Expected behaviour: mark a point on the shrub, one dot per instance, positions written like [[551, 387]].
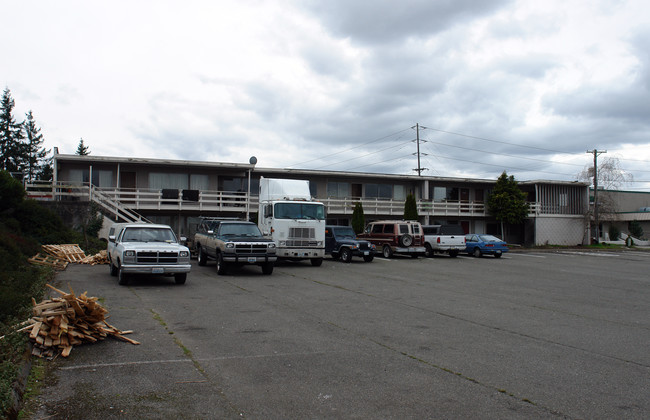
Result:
[[614, 233]]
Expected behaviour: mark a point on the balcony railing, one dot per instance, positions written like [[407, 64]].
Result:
[[215, 201]]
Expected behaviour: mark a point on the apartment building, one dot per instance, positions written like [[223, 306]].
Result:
[[178, 192]]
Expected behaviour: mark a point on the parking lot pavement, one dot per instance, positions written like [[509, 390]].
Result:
[[530, 335]]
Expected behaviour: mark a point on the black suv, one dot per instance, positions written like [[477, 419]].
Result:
[[341, 242]]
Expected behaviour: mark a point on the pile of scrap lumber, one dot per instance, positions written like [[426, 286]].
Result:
[[100, 258], [60, 323], [58, 256]]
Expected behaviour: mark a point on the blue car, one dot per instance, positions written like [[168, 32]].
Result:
[[479, 244]]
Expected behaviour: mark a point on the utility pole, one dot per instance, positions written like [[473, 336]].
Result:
[[596, 153], [417, 140]]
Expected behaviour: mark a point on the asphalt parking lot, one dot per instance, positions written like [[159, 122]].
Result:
[[531, 335]]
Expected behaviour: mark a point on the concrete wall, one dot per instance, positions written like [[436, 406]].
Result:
[[559, 230]]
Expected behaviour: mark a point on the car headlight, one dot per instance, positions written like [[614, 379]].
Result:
[[184, 254], [283, 243], [230, 245], [272, 245], [129, 256], [319, 243]]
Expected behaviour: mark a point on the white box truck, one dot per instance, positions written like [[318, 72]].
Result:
[[293, 219]]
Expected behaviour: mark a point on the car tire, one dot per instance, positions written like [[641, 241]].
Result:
[[122, 277], [428, 251], [112, 268], [497, 255], [316, 262], [267, 268], [222, 268], [477, 253], [180, 278], [368, 258], [202, 258], [405, 240], [346, 255], [387, 251], [453, 253]]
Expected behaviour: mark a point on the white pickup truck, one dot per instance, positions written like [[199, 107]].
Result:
[[144, 248], [443, 239]]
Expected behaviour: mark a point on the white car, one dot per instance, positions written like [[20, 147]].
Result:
[[144, 248]]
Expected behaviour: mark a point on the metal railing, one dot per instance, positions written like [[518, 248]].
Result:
[[126, 202]]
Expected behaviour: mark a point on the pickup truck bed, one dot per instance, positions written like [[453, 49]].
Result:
[[443, 239]]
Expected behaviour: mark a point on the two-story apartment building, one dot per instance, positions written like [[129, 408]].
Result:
[[178, 192]]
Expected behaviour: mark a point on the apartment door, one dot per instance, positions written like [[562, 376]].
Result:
[[127, 187], [464, 199]]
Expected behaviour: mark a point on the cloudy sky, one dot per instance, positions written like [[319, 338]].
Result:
[[522, 86]]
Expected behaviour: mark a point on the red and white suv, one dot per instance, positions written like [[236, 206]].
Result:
[[396, 237]]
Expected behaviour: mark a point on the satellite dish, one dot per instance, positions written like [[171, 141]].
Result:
[[252, 160]]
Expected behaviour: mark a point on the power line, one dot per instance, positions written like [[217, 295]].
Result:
[[347, 150], [499, 141], [368, 154]]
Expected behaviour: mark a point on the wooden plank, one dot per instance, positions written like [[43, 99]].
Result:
[[35, 329]]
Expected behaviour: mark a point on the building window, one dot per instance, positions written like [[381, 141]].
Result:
[[379, 191], [160, 181], [231, 184], [441, 194], [198, 182], [399, 192], [338, 189]]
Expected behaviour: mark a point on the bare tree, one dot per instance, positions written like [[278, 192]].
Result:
[[610, 177]]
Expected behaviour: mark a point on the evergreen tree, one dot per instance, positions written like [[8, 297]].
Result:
[[507, 203], [411, 208], [12, 148], [358, 218], [81, 149], [35, 159]]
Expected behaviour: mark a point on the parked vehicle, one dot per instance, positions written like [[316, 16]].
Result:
[[443, 239], [234, 243], [480, 244], [341, 242], [295, 221], [395, 237], [144, 248]]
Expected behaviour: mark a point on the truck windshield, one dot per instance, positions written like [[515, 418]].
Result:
[[240, 229], [310, 211], [145, 234]]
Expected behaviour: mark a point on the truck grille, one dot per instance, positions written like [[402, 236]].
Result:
[[302, 237], [250, 249], [153, 257]]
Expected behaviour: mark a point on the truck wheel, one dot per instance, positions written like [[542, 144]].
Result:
[[406, 240], [316, 262], [428, 251], [180, 278], [477, 253], [122, 277], [221, 265], [387, 251], [453, 253], [346, 255], [112, 268], [202, 257], [368, 258], [267, 268]]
